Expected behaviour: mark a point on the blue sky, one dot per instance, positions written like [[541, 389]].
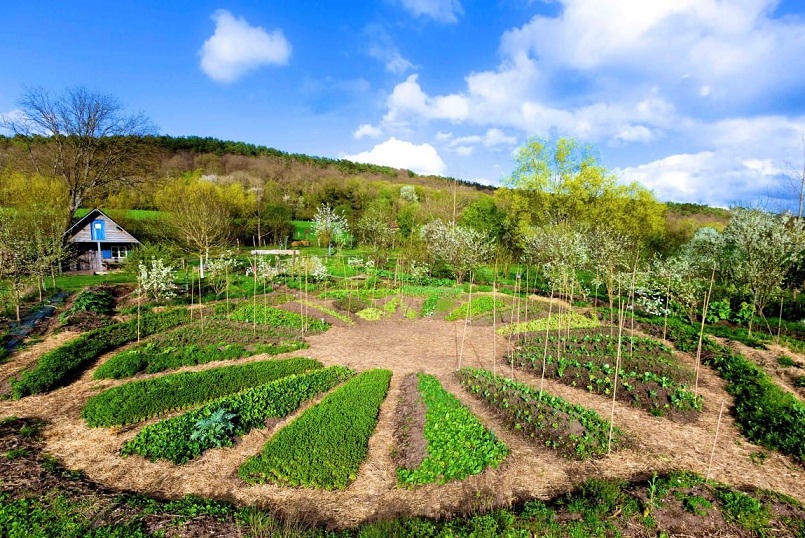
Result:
[[699, 100]]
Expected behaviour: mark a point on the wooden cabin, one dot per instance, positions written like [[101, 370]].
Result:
[[99, 242]]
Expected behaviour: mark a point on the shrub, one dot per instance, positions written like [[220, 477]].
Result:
[[325, 446], [170, 438], [141, 400], [58, 367]]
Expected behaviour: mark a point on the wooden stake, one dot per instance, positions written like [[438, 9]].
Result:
[[715, 440], [779, 321], [545, 353], [466, 322]]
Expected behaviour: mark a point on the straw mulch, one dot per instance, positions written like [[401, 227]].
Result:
[[407, 347]]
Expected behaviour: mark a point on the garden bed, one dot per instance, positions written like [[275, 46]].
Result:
[[571, 430], [649, 377]]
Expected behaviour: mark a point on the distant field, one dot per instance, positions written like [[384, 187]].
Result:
[[132, 214]]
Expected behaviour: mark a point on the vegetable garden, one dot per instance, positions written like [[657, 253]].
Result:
[[480, 387]]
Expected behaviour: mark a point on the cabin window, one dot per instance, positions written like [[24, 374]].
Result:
[[119, 252], [98, 230]]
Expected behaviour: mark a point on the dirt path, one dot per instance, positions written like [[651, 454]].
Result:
[[407, 346]]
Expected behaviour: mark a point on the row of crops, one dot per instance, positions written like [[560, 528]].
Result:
[[648, 374], [325, 445]]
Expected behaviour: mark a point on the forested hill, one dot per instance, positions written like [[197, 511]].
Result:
[[221, 157]]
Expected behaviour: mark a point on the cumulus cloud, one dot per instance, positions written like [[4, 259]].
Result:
[[407, 101], [710, 48], [236, 48], [367, 131], [422, 158], [743, 164], [446, 11]]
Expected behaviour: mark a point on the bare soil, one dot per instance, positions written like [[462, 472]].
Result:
[[409, 432], [407, 347]]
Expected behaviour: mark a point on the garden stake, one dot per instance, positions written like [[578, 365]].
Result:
[[779, 322], [545, 353], [715, 440], [667, 295], [139, 300], [699, 347], [200, 305], [494, 318], [466, 321], [621, 319], [254, 299]]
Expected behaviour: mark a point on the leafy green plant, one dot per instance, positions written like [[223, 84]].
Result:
[[480, 304], [371, 314], [214, 430], [193, 344], [458, 445], [170, 438], [100, 301], [571, 320], [743, 509], [718, 311], [695, 504], [765, 413], [325, 446], [276, 317], [141, 400], [649, 375], [58, 367], [572, 430], [786, 361]]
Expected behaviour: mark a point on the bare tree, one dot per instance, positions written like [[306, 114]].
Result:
[[83, 137]]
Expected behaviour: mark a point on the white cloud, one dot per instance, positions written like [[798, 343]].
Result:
[[12, 116], [407, 100], [493, 139], [440, 10], [381, 47], [422, 158], [745, 162], [367, 130], [716, 47], [237, 48]]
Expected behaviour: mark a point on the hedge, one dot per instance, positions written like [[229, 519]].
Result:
[[141, 400], [764, 412], [62, 365]]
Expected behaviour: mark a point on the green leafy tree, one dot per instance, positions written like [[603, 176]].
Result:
[[563, 181], [198, 215]]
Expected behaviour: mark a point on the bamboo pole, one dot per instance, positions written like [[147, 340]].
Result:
[[466, 322], [715, 440], [545, 353]]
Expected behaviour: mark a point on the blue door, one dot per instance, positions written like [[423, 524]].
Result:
[[98, 233]]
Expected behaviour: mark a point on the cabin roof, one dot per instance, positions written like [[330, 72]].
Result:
[[84, 221]]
